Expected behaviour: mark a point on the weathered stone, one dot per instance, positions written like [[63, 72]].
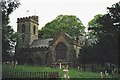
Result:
[[62, 48]]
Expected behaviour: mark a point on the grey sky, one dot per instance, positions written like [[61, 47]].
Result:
[[47, 10]]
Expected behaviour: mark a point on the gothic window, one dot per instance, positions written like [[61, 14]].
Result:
[[34, 29], [61, 51], [23, 28], [30, 61], [23, 31]]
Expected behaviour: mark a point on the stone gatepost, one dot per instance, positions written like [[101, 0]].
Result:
[[65, 70]]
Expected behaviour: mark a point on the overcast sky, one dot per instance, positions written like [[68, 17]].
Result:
[[47, 10]]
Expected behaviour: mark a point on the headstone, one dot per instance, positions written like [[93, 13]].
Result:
[[101, 74], [12, 63], [16, 63], [106, 74], [60, 65], [25, 64], [114, 73]]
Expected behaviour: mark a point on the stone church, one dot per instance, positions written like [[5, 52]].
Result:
[[30, 50]]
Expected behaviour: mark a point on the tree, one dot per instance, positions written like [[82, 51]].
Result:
[[94, 23], [106, 28], [68, 23], [90, 51], [8, 34], [114, 13]]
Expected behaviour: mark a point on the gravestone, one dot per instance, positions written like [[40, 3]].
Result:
[[60, 65]]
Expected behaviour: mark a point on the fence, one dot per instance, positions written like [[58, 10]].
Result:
[[14, 74]]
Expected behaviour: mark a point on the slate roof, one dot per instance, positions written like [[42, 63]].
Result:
[[45, 42], [41, 43]]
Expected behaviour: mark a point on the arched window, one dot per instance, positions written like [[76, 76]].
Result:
[[23, 28], [29, 61], [34, 30], [61, 51], [23, 31]]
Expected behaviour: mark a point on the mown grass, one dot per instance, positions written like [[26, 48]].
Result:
[[73, 73], [83, 74]]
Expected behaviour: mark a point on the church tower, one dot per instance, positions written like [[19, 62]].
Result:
[[27, 28]]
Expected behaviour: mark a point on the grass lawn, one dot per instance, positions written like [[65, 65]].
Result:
[[73, 73]]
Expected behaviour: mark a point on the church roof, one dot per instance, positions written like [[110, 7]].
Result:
[[45, 42], [69, 38], [41, 43]]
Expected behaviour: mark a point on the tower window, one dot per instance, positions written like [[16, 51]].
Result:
[[23, 28], [34, 29]]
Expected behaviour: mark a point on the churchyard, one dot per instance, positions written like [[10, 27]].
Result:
[[23, 71]]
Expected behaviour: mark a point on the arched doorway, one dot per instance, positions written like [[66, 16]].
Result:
[[61, 51], [30, 61]]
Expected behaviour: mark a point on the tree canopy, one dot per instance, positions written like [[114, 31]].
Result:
[[8, 34], [106, 27], [94, 23], [68, 23]]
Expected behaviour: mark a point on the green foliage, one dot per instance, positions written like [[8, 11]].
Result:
[[23, 68], [77, 73], [114, 14], [106, 29], [8, 34], [94, 23], [68, 23]]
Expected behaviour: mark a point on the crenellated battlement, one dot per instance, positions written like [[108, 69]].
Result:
[[30, 18]]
